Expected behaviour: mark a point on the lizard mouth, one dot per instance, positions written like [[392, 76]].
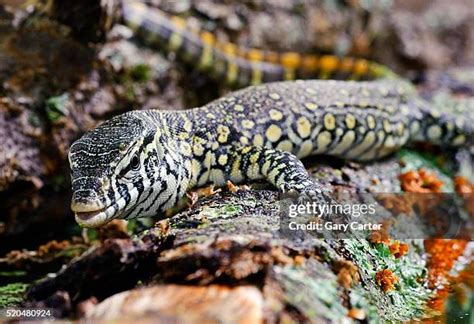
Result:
[[97, 217], [84, 216]]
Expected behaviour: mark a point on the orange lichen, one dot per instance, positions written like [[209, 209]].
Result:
[[347, 273], [398, 249], [356, 313], [442, 256], [420, 181], [386, 279], [463, 186]]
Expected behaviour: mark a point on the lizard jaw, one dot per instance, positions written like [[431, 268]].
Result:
[[98, 217]]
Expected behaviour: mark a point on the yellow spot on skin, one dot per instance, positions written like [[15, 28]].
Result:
[[232, 72], [329, 63], [239, 108], [254, 158], [435, 113], [253, 171], [404, 109], [361, 67], [208, 38], [255, 55], [350, 121], [198, 149], [449, 126], [339, 131], [380, 136], [245, 150], [305, 149], [289, 74], [366, 143], [311, 106], [346, 141], [414, 127], [247, 123], [273, 133], [371, 122], [244, 140], [389, 143], [274, 96], [303, 127], [206, 56], [175, 42], [195, 169], [236, 173], [275, 114], [183, 135], [329, 121], [223, 133], [290, 60], [256, 75], [361, 130], [179, 22], [285, 145], [322, 141], [387, 126], [188, 125], [210, 116], [458, 140], [265, 167], [400, 128], [258, 140], [229, 49], [435, 132], [223, 159]]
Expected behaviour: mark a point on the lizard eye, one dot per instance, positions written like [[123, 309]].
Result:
[[133, 165], [135, 162]]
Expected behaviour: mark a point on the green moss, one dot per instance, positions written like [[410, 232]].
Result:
[[57, 107], [140, 73], [222, 212], [12, 294], [12, 273], [313, 290], [407, 301]]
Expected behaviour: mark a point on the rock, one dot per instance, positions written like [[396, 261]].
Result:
[[182, 304]]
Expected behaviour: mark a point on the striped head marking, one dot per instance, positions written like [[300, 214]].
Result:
[[118, 170]]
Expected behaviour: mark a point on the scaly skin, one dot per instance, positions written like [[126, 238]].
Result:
[[143, 162]]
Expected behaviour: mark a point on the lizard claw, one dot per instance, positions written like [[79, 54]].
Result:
[[194, 196], [233, 188]]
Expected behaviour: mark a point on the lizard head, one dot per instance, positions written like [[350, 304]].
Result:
[[115, 168]]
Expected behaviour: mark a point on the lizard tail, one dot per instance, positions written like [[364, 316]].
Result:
[[237, 65]]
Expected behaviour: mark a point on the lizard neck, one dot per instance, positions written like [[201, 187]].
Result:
[[173, 142]]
